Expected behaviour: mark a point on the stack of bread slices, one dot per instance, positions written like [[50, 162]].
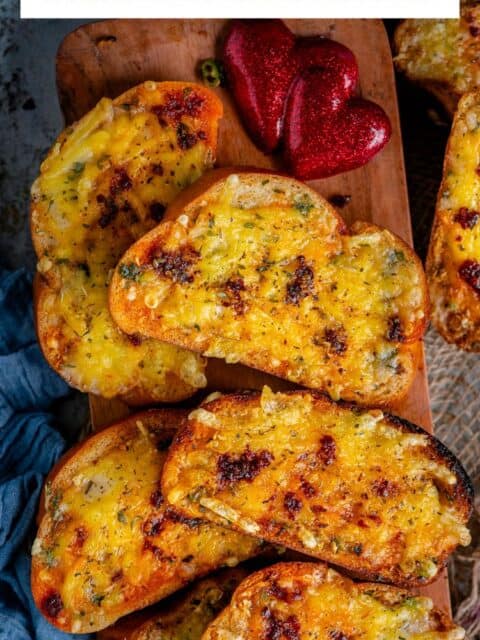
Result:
[[152, 275]]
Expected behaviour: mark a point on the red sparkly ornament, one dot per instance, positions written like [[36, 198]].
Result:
[[328, 133], [267, 68]]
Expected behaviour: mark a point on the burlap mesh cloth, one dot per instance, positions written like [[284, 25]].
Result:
[[454, 375]]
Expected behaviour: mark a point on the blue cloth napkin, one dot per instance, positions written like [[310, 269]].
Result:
[[29, 446]]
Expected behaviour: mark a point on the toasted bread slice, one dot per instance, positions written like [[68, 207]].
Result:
[[453, 263], [259, 269], [183, 616], [443, 56], [355, 487], [105, 182], [107, 543], [301, 601]]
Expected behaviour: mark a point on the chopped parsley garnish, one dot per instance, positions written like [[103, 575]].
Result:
[[303, 206], [97, 599], [129, 271]]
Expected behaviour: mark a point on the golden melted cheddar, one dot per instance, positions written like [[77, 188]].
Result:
[[453, 265], [443, 55], [259, 269], [363, 490], [304, 601], [107, 543], [106, 181], [183, 616]]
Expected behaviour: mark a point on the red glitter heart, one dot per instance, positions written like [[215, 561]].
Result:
[[328, 131], [257, 55], [302, 89], [262, 58]]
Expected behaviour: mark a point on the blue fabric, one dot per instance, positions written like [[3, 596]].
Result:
[[29, 446]]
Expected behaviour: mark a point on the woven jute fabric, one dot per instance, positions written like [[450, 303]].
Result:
[[453, 375], [454, 379]]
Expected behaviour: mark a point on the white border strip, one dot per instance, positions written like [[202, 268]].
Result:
[[240, 9]]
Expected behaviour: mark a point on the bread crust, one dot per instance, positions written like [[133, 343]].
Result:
[[107, 543], [238, 334], [441, 55], [455, 241], [187, 612], [318, 495], [93, 198], [306, 599]]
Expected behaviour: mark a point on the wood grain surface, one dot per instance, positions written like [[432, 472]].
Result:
[[106, 58]]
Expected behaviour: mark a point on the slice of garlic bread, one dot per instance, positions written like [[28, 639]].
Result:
[[259, 269], [301, 601], [183, 616], [107, 543], [355, 487], [453, 263], [441, 55], [107, 181]]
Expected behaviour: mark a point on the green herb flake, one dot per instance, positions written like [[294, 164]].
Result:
[[303, 205], [395, 256], [121, 517], [97, 599], [129, 271], [249, 225], [213, 74], [78, 167]]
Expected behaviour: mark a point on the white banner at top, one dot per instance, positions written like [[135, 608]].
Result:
[[97, 9]]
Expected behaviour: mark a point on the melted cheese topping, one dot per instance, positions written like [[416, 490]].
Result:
[[301, 601], [347, 486], [442, 51], [104, 184], [269, 279], [456, 236], [108, 545]]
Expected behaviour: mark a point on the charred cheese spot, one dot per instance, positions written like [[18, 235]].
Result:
[[292, 504], [108, 538], [52, 605], [469, 271], [302, 283], [466, 218], [328, 450], [246, 466], [277, 627], [337, 339], [175, 266], [120, 181], [384, 488], [347, 485], [104, 184], [231, 295], [156, 498], [395, 330]]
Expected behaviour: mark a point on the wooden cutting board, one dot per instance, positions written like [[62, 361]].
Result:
[[106, 58]]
